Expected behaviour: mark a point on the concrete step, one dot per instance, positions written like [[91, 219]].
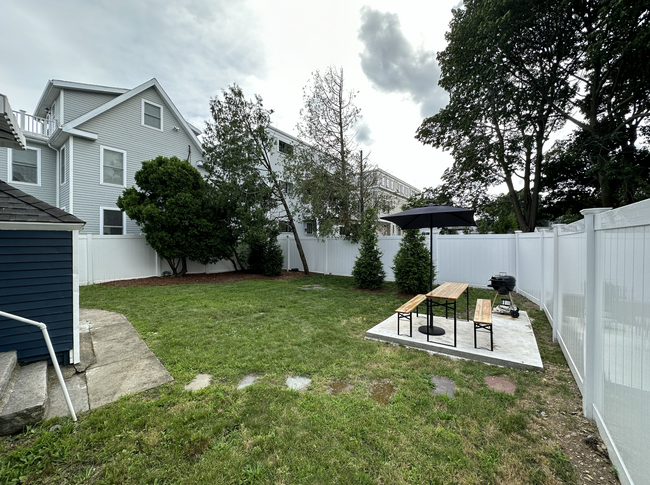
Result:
[[7, 365], [27, 399]]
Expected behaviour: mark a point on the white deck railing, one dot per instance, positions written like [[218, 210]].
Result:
[[34, 124]]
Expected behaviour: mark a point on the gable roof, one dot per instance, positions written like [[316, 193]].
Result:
[[18, 207], [153, 83], [54, 87]]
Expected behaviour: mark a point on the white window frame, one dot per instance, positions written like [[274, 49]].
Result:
[[10, 172], [309, 227], [63, 167], [101, 220], [161, 114], [101, 166]]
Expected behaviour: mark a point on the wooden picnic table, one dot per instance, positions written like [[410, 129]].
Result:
[[449, 293]]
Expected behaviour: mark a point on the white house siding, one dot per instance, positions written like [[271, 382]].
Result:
[[121, 128], [47, 190], [77, 103]]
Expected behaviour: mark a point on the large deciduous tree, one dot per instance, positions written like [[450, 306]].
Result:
[[518, 70], [333, 182], [238, 146], [495, 126], [173, 205]]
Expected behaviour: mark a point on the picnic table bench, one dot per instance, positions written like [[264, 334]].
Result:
[[406, 311], [483, 319]]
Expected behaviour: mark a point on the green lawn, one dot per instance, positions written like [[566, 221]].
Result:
[[267, 434]]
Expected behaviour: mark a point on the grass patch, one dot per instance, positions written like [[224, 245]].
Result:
[[267, 434]]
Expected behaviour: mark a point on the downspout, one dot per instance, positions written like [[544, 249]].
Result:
[[71, 176]]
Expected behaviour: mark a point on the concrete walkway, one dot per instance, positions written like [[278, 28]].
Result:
[[514, 340], [114, 361]]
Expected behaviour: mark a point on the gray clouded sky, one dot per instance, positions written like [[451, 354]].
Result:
[[196, 48]]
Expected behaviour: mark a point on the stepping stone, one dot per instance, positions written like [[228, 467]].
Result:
[[298, 383], [199, 382], [339, 387], [443, 386], [247, 381], [500, 383], [382, 392]]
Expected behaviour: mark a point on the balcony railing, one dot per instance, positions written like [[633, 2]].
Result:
[[35, 125]]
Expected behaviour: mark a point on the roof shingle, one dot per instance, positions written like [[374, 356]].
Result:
[[17, 206]]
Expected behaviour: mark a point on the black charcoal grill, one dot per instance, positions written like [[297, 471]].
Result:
[[503, 284]]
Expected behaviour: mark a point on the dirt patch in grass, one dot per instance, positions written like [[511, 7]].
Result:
[[204, 278], [570, 437]]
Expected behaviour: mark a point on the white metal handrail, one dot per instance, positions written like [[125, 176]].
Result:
[[50, 349]]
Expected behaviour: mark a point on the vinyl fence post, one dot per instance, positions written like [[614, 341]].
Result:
[[327, 266], [593, 370], [557, 293], [517, 233], [288, 254], [541, 270], [89, 260]]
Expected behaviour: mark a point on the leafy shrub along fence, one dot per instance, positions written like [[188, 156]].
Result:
[[592, 278]]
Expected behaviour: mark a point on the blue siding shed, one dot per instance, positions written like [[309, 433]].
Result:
[[36, 275]]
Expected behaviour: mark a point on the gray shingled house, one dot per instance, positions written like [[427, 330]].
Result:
[[38, 276]]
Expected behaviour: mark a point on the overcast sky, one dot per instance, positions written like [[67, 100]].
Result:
[[196, 48]]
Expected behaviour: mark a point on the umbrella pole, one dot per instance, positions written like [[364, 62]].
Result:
[[430, 253]]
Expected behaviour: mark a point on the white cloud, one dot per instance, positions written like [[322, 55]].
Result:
[[393, 65]]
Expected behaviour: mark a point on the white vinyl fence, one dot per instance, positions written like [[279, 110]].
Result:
[[592, 279]]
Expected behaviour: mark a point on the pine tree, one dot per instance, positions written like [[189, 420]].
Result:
[[368, 268], [411, 264]]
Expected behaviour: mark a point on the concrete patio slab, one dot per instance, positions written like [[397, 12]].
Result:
[[114, 361], [514, 341]]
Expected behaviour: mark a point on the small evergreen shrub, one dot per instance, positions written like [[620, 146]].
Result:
[[411, 264], [368, 269], [265, 255], [273, 258]]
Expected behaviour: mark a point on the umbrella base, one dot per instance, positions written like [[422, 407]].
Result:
[[427, 330]]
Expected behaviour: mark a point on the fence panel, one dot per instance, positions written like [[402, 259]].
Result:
[[571, 323], [474, 258], [529, 266], [623, 251]]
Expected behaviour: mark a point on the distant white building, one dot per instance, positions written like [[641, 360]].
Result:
[[387, 184]]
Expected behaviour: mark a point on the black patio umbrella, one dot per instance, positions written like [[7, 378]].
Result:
[[431, 216]]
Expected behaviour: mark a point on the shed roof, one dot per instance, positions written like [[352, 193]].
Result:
[[17, 206]]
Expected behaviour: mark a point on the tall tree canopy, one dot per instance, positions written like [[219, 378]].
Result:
[[180, 219], [238, 146], [518, 70]]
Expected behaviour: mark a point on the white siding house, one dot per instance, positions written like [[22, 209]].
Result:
[[85, 142]]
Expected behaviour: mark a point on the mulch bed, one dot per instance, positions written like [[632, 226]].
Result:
[[204, 278]]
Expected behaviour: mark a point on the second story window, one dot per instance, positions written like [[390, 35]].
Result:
[[309, 227], [113, 166], [25, 166], [152, 115], [285, 147]]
